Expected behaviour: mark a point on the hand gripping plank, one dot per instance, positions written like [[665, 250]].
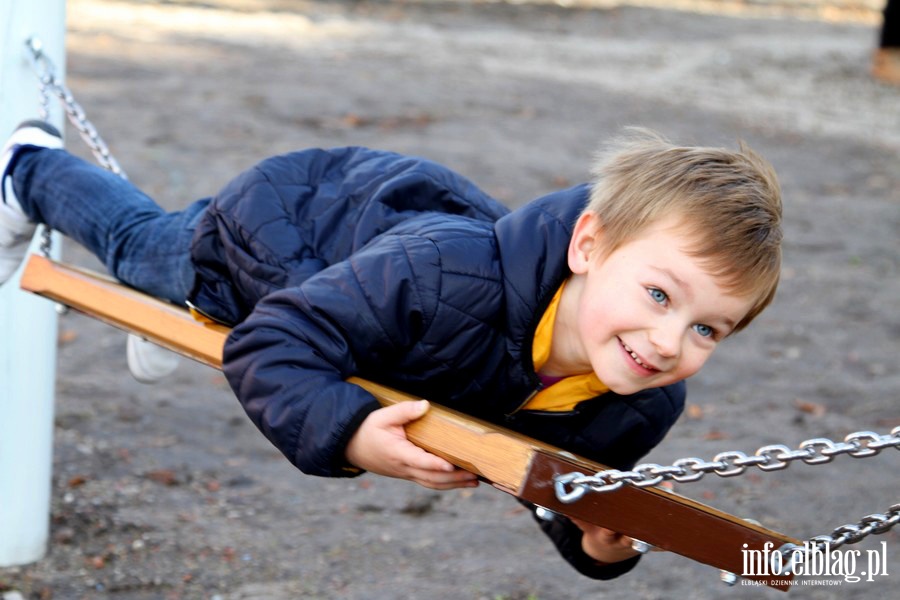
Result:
[[521, 466]]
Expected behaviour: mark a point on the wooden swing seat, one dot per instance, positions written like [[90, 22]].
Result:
[[518, 465]]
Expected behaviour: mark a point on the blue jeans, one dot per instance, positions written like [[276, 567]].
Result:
[[140, 243]]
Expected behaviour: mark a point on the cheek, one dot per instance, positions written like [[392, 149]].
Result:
[[692, 361], [598, 324], [617, 316]]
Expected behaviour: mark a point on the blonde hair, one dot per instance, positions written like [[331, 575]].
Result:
[[730, 202]]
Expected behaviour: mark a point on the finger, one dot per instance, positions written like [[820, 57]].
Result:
[[449, 485], [416, 458], [442, 477], [593, 529], [444, 481], [613, 538], [603, 534], [443, 486], [401, 413], [608, 534]]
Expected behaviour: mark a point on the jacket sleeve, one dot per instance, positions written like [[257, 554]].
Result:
[[566, 536], [288, 360]]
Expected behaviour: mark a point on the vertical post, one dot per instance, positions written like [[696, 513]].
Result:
[[27, 324]]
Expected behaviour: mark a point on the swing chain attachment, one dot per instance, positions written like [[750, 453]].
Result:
[[570, 487], [874, 524], [49, 84]]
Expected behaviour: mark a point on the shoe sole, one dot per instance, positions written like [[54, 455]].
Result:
[[42, 125], [15, 232]]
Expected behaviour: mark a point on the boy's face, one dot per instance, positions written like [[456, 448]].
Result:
[[646, 314]]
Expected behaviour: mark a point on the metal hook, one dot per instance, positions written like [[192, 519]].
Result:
[[559, 485]]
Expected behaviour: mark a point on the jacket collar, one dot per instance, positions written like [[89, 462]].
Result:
[[533, 243]]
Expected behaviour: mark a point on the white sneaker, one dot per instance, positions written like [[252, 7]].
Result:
[[148, 362], [16, 230]]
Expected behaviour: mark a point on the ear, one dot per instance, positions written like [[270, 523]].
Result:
[[586, 239]]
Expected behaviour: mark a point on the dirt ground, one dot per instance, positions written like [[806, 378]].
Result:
[[169, 492]]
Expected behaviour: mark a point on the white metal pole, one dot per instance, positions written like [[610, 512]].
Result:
[[27, 324]]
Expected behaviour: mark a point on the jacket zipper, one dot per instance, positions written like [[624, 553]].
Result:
[[199, 315], [526, 356], [525, 402]]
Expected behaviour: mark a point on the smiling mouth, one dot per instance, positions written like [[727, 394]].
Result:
[[637, 359]]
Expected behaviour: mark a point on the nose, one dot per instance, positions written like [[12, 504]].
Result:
[[666, 339]]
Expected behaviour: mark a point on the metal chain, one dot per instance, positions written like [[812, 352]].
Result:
[[48, 85], [570, 487], [874, 524], [877, 524]]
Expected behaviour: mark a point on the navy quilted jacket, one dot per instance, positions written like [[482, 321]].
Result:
[[358, 262]]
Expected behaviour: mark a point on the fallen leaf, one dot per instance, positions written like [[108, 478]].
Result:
[[715, 435], [352, 121], [694, 411], [66, 337], [811, 408], [77, 480], [163, 477]]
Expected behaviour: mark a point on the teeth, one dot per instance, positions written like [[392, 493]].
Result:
[[633, 354]]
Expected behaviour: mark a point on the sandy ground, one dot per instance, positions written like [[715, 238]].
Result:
[[168, 491]]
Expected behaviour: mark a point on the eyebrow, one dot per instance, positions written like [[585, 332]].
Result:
[[730, 324], [686, 288]]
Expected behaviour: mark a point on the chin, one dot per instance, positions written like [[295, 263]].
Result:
[[630, 387], [624, 389]]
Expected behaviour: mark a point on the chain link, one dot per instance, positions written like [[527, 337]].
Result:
[[874, 524], [570, 487], [48, 84]]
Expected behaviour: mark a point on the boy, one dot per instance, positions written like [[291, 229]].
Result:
[[574, 319]]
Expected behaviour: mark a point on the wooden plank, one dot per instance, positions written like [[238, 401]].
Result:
[[525, 467], [519, 465], [656, 516], [468, 444], [115, 304], [501, 457]]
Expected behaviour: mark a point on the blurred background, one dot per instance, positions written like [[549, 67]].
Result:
[[169, 492]]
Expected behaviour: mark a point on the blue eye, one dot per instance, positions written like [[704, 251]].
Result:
[[658, 295], [703, 330]]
